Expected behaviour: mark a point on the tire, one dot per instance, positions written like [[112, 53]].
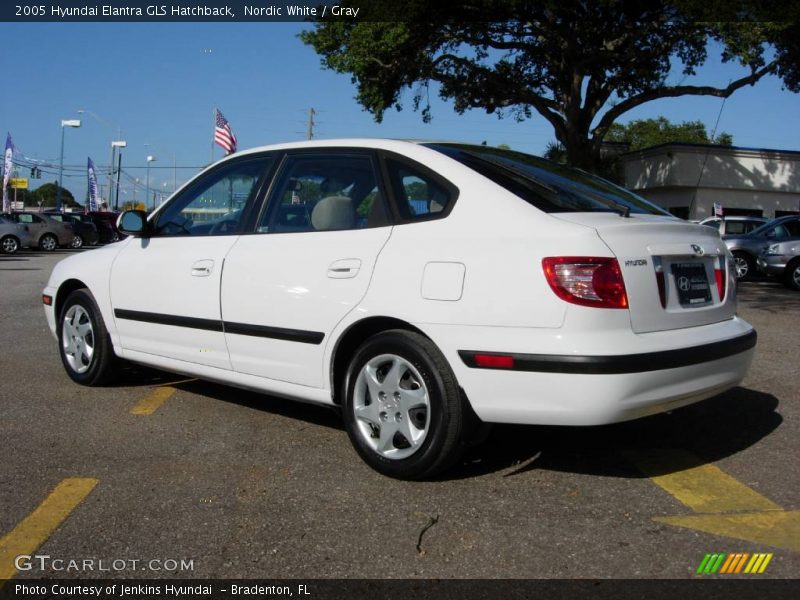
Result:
[[399, 383], [76, 243], [9, 244], [48, 242], [744, 266], [792, 275], [83, 341]]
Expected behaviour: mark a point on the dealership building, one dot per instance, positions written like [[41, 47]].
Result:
[[687, 179]]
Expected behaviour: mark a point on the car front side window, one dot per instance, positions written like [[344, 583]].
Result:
[[215, 204]]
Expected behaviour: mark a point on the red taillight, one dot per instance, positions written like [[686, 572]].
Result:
[[586, 280], [720, 276], [494, 361]]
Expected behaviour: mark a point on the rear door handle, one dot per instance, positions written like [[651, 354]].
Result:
[[345, 268], [203, 268]]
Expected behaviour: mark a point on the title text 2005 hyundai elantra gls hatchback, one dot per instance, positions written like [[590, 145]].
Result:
[[426, 288]]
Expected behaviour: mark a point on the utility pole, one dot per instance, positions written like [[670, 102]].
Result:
[[310, 130]]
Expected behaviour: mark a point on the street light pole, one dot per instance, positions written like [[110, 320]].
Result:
[[114, 145], [64, 123], [147, 184]]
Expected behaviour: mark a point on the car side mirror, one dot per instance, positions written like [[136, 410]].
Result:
[[134, 222]]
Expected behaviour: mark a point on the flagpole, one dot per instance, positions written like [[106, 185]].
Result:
[[213, 129]]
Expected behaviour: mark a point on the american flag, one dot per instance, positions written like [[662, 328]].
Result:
[[223, 136]]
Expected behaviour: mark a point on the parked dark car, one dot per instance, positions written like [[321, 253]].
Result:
[[746, 248], [83, 226], [46, 234], [106, 223]]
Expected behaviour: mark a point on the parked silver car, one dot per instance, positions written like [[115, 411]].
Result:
[[747, 248], [782, 259], [46, 234], [13, 235], [734, 225]]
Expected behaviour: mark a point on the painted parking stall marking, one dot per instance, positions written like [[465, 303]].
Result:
[[38, 526], [151, 403], [723, 505]]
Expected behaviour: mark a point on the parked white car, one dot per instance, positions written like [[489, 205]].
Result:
[[425, 288]]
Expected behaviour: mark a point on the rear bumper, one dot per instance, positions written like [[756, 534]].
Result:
[[618, 363], [593, 388]]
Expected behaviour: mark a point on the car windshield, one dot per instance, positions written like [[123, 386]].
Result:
[[548, 186]]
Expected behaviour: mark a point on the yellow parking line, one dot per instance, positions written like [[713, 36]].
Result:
[[34, 529], [702, 487], [153, 400]]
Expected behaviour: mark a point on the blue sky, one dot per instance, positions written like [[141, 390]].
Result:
[[160, 82]]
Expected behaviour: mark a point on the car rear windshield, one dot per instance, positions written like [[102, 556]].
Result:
[[548, 186]]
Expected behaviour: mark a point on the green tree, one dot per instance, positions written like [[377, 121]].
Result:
[[580, 65], [46, 195], [644, 133]]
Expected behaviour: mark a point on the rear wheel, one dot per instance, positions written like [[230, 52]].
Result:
[[77, 242], [48, 242], [83, 341], [9, 244], [744, 266], [402, 406], [792, 275]]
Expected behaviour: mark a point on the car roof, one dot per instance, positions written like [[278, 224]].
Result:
[[397, 145]]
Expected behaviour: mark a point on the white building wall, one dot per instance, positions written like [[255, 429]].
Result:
[[672, 175]]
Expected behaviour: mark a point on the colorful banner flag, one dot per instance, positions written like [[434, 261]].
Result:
[[91, 205], [8, 167], [223, 136]]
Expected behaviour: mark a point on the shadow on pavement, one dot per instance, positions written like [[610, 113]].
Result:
[[712, 429], [768, 295]]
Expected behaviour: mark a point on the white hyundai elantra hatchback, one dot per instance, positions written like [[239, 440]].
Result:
[[424, 288]]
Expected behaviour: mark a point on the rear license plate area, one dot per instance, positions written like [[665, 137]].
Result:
[[691, 281]]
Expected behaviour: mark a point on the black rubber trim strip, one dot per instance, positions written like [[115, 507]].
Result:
[[618, 364], [277, 333], [174, 320]]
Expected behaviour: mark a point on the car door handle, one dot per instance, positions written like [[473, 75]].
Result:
[[345, 268], [202, 268]]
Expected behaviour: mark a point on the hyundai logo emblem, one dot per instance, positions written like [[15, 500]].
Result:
[[698, 250], [684, 284]]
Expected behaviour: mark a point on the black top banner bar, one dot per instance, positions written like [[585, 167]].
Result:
[[736, 588], [429, 11], [151, 11]]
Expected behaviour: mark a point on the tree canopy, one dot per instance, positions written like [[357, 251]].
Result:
[[643, 133], [580, 65]]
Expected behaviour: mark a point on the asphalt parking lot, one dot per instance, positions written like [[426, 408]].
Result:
[[238, 484]]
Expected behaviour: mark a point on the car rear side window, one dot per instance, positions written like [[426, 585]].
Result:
[[419, 195], [548, 186]]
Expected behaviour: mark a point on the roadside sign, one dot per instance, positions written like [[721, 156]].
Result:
[[20, 183]]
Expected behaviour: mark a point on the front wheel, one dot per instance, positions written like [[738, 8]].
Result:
[[9, 244], [402, 406], [744, 266], [83, 341]]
